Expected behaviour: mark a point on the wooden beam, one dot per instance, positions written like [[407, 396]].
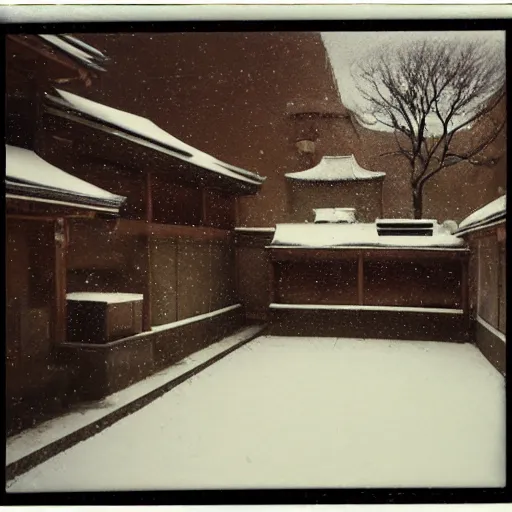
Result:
[[146, 286], [360, 279], [204, 207], [271, 282], [377, 253], [35, 218], [501, 282], [464, 291], [143, 228], [381, 198], [149, 198], [237, 210], [59, 293], [176, 271], [236, 249]]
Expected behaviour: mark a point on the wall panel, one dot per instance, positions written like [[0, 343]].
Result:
[[488, 289]]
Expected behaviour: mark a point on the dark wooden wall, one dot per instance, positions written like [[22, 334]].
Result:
[[34, 385], [253, 267], [189, 278], [491, 281], [333, 282], [386, 283]]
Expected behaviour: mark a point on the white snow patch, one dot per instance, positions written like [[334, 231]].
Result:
[[34, 439], [243, 229], [335, 215], [412, 222], [23, 164], [86, 47], [336, 168], [486, 213], [196, 318], [285, 412], [358, 234], [67, 47], [108, 298], [353, 307], [146, 128], [492, 329]]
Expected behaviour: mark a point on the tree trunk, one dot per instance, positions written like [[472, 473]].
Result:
[[417, 202]]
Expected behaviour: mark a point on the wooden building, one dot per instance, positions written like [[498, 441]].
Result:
[[170, 255], [149, 249], [131, 267], [485, 233], [40, 201], [393, 279]]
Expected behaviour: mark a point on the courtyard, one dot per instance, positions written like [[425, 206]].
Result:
[[299, 412]]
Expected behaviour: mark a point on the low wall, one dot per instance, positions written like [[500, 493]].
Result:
[[492, 344], [99, 370], [381, 323]]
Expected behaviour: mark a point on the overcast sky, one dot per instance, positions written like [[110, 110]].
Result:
[[346, 47]]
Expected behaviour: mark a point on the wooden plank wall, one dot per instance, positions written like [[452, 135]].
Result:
[[491, 299]]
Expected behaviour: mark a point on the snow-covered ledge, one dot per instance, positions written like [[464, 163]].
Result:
[[351, 307], [244, 229]]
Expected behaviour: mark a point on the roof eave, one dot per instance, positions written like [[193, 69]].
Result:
[[484, 224], [242, 186]]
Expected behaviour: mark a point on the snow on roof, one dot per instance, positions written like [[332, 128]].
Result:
[[495, 210], [71, 48], [336, 168], [146, 129], [84, 46], [108, 298], [355, 235], [27, 172], [335, 215]]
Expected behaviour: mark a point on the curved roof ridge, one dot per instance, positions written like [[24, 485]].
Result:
[[330, 168]]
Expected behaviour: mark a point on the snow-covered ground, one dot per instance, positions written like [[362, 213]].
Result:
[[305, 412]]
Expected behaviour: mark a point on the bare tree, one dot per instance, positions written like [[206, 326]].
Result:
[[449, 86]]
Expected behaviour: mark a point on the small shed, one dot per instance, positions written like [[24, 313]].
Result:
[[333, 180], [394, 278]]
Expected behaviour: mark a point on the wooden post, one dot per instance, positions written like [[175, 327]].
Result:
[[59, 295], [145, 259], [360, 279], [271, 281], [204, 212], [237, 266], [237, 211], [464, 291], [149, 198], [177, 286], [146, 286], [381, 199]]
